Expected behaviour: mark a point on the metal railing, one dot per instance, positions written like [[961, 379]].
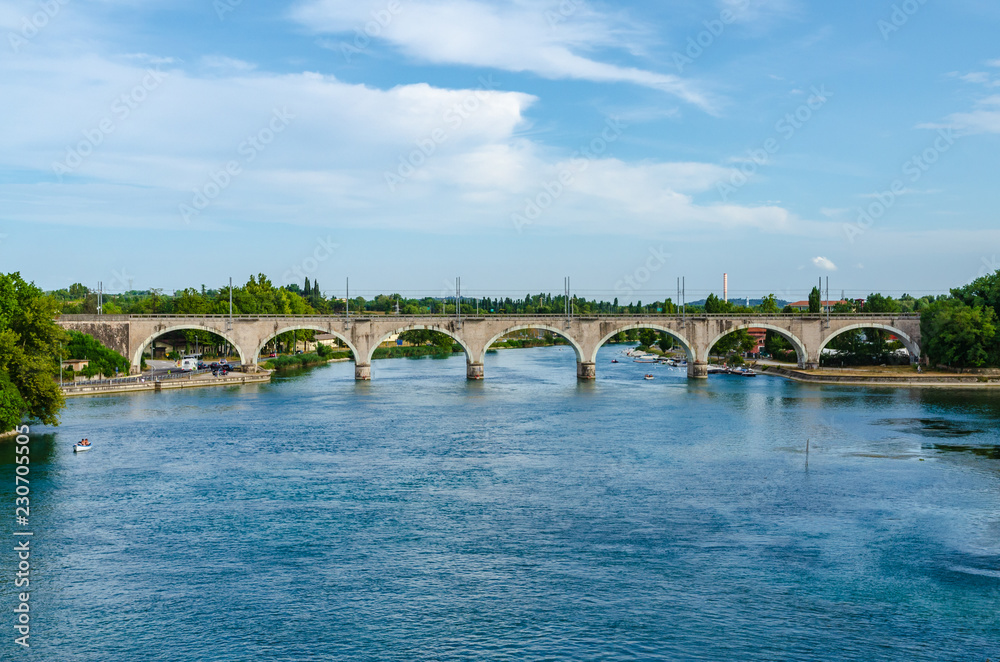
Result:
[[493, 316]]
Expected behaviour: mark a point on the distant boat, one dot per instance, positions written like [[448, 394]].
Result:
[[649, 377], [614, 360], [79, 448]]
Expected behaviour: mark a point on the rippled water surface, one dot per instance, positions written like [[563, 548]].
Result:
[[528, 517]]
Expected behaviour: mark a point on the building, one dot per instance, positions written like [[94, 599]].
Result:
[[76, 365]]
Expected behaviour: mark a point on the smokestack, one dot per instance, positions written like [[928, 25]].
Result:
[[725, 287]]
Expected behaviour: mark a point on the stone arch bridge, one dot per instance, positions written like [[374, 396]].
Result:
[[131, 335]]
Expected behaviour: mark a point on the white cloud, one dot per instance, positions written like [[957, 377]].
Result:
[[517, 36], [824, 264], [328, 167], [993, 63], [984, 119]]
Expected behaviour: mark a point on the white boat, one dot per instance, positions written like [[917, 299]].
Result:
[[649, 377], [79, 448]]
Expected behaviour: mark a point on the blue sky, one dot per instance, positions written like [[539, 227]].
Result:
[[406, 142]]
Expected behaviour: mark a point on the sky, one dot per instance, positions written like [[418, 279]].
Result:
[[404, 143]]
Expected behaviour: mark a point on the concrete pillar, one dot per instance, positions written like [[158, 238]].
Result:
[[474, 370], [697, 369], [809, 365], [362, 373], [586, 370]]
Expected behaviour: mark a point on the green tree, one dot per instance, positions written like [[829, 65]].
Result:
[[29, 351], [647, 337], [737, 342], [666, 342], [958, 335], [984, 291], [103, 361], [769, 305], [815, 301]]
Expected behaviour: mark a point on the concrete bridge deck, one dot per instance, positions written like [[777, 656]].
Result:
[[131, 335]]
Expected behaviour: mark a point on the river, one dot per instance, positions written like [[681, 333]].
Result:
[[526, 517]]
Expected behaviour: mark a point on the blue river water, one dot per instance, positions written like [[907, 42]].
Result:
[[526, 517]]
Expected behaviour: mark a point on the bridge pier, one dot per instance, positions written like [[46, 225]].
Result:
[[697, 369], [474, 371], [362, 373], [586, 370]]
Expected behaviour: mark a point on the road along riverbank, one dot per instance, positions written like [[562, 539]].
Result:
[[192, 381], [936, 380]]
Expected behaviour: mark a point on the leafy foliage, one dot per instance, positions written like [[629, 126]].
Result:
[[29, 350], [959, 335], [103, 361]]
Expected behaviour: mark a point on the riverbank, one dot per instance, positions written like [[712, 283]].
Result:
[[192, 381], [882, 377]]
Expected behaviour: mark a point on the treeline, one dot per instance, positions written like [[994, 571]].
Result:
[[961, 331]]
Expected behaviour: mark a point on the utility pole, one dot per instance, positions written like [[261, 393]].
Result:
[[347, 302], [458, 298], [828, 306], [229, 324]]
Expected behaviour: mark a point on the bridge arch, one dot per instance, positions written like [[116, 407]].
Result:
[[685, 343], [800, 347], [542, 327], [137, 356], [419, 327], [912, 346], [304, 327]]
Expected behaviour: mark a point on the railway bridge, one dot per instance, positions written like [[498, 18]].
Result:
[[131, 335]]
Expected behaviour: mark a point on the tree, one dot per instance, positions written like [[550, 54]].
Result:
[[102, 360], [984, 291], [769, 305], [78, 291], [815, 301], [647, 337], [959, 335], [29, 351], [737, 342], [666, 342], [714, 305]]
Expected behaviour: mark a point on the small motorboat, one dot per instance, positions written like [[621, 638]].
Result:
[[649, 377], [82, 446], [614, 360]]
